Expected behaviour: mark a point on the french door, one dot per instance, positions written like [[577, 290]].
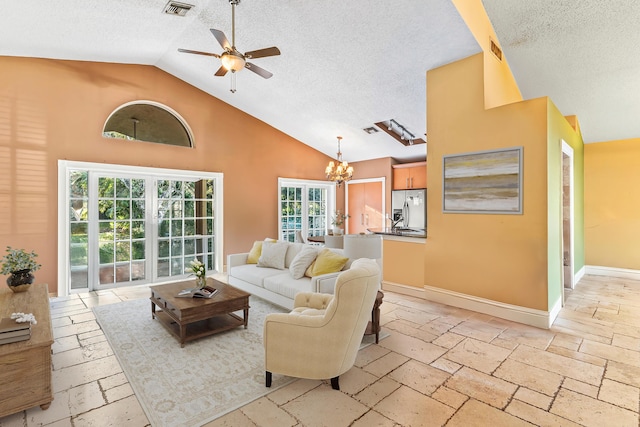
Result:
[[131, 225]]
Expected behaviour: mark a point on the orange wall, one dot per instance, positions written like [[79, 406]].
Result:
[[51, 110], [612, 204], [497, 257], [500, 86]]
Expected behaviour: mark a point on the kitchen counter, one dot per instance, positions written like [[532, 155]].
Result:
[[404, 232]]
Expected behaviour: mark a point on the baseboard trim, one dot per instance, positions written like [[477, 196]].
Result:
[[579, 275], [528, 316], [622, 273], [403, 289]]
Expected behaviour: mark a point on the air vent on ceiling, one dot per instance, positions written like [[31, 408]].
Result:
[[370, 130], [496, 50], [176, 8]]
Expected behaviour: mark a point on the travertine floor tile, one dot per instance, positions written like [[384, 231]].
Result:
[[623, 373], [561, 365], [125, 412], [265, 413], [534, 398], [410, 408], [449, 397], [482, 387], [529, 376], [528, 335], [369, 354], [355, 380], [620, 394], [479, 330], [448, 340], [611, 352], [293, 390], [385, 364], [324, 406], [373, 419], [377, 391], [232, 419], [478, 355], [591, 412], [413, 348], [537, 416], [420, 377], [474, 413], [66, 378]]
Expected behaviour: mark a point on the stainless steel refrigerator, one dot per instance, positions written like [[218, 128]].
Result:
[[409, 208]]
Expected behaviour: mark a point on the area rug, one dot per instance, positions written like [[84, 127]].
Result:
[[193, 385]]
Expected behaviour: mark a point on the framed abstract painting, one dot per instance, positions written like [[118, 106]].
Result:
[[483, 182]]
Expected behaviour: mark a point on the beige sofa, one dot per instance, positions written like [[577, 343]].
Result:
[[277, 285], [320, 338]]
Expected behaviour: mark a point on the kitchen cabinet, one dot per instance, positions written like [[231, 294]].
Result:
[[410, 175], [364, 206]]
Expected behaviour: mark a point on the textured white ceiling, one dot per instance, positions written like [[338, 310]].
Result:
[[584, 55], [344, 64], [348, 64]]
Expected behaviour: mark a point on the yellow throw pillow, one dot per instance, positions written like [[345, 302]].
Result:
[[327, 261], [255, 252]]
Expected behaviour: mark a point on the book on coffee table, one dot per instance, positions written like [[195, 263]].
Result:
[[206, 292], [12, 331]]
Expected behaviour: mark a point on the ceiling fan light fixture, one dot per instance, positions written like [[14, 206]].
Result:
[[232, 61]]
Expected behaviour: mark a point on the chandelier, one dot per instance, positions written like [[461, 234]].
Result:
[[340, 171]]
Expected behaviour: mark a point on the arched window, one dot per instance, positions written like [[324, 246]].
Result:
[[148, 121]]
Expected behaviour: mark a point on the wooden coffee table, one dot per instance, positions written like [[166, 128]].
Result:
[[192, 318]]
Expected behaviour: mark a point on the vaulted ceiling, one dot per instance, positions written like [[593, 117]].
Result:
[[346, 65]]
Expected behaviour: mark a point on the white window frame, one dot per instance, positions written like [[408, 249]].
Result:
[[306, 183], [64, 166]]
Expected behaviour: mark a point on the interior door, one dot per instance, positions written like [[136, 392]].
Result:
[[364, 205]]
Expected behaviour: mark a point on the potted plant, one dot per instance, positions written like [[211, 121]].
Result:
[[19, 264], [338, 221]]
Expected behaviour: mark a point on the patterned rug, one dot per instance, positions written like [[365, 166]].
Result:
[[193, 385]]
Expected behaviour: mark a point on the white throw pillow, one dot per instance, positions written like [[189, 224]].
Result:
[[273, 254], [302, 261]]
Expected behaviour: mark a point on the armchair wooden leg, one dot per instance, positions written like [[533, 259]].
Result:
[[334, 383], [268, 378]]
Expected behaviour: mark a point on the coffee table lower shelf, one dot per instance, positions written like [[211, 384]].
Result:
[[201, 328]]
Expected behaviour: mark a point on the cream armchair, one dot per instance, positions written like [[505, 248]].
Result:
[[320, 338]]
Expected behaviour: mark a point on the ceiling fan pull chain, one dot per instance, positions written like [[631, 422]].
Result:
[[233, 82]]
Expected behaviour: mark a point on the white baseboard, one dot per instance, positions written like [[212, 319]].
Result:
[[579, 275], [528, 316], [403, 289], [623, 273]]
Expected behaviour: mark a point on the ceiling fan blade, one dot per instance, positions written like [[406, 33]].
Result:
[[197, 52], [259, 71], [261, 53], [222, 39], [221, 71]]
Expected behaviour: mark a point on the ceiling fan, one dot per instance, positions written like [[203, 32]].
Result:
[[231, 59]]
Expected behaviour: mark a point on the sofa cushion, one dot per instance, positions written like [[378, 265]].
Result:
[[302, 261], [293, 250], [327, 261], [255, 252], [273, 254], [286, 285], [250, 273]]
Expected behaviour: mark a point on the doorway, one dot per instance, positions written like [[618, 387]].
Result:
[[567, 219]]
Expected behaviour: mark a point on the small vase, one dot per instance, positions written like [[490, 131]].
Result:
[[201, 282], [20, 281]]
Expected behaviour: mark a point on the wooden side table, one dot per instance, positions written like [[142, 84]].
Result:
[[25, 366], [374, 325]]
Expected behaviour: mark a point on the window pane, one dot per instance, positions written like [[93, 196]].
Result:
[[122, 188], [105, 187]]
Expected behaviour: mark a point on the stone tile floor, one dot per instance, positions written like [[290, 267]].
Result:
[[440, 366]]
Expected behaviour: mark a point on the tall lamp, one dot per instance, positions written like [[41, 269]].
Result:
[[364, 246]]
